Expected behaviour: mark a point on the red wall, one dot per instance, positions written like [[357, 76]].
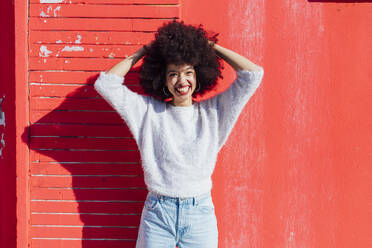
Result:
[[296, 170], [294, 173]]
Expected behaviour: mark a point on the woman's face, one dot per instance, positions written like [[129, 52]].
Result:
[[181, 82]]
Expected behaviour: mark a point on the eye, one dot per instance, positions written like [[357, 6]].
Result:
[[172, 74], [189, 72]]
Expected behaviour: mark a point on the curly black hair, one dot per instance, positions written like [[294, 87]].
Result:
[[177, 43]]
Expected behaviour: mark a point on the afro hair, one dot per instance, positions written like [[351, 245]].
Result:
[[177, 43]]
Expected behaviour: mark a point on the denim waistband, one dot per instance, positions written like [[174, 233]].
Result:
[[193, 200]]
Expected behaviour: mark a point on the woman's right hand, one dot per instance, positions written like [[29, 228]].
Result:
[[123, 67]]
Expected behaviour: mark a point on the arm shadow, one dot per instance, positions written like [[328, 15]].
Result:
[[85, 172]]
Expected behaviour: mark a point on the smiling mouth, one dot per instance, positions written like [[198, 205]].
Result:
[[183, 90]]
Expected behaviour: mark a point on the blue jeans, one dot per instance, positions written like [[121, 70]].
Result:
[[167, 222]]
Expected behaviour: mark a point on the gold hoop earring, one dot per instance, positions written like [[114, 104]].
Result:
[[165, 93], [197, 90]]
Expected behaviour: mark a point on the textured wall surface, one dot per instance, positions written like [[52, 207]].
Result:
[[295, 171]]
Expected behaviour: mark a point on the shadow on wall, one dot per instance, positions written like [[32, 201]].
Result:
[[87, 187]]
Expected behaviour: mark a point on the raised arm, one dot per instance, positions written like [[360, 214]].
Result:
[[130, 105], [122, 68], [237, 61], [230, 103]]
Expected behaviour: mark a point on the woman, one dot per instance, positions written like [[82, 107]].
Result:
[[179, 139]]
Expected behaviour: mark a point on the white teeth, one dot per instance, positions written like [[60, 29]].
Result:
[[183, 89]]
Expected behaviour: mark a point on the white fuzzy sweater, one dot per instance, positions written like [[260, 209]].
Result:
[[179, 145]]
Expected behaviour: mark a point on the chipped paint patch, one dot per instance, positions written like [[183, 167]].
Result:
[[55, 11], [2, 114], [50, 11], [78, 41], [42, 14], [51, 1], [73, 49], [44, 52], [2, 123], [2, 141], [59, 41]]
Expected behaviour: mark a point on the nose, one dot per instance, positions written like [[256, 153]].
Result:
[[181, 78]]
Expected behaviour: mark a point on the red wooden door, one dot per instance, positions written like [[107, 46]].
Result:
[[87, 187]]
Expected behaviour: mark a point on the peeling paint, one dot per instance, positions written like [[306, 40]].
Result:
[[55, 11], [2, 123], [3, 144], [59, 41], [44, 52], [49, 11], [2, 114], [73, 49], [78, 41], [90, 49], [42, 14]]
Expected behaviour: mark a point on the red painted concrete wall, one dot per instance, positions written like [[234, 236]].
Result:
[[294, 173]]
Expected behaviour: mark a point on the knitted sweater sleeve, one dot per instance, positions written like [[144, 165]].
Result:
[[231, 102], [130, 105]]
